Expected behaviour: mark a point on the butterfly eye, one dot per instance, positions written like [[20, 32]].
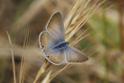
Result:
[[42, 46]]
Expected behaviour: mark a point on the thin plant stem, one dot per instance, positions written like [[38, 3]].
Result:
[[58, 72], [40, 72], [12, 57]]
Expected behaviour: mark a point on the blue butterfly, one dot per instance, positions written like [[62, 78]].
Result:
[[53, 45]]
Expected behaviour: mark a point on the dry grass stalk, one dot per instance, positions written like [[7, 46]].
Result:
[[40, 72], [82, 35], [80, 18], [21, 70], [47, 78], [12, 57], [58, 72], [26, 41]]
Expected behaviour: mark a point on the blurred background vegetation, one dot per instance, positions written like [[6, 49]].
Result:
[[104, 46]]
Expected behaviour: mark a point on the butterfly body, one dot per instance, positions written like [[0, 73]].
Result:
[[60, 46]]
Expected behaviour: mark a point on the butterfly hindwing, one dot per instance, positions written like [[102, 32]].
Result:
[[54, 56], [73, 55]]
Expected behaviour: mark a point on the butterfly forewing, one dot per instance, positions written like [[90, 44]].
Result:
[[55, 26], [54, 31], [75, 56]]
